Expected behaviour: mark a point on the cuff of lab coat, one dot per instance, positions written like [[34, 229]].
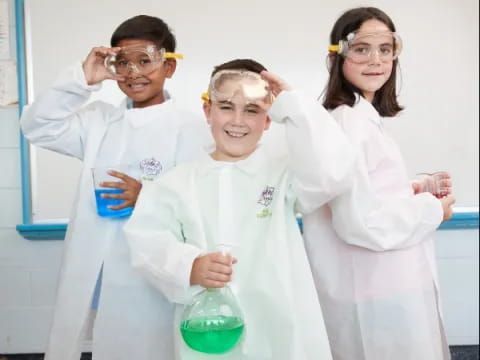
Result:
[[285, 106], [79, 76], [183, 293], [433, 213], [173, 280]]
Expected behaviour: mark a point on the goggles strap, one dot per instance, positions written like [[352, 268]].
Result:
[[205, 97], [171, 55], [334, 48]]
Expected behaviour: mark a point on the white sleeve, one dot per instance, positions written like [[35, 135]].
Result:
[[387, 224], [157, 246], [360, 218], [193, 138], [320, 156], [54, 121]]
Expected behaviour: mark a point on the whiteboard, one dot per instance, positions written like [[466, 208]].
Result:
[[439, 67]]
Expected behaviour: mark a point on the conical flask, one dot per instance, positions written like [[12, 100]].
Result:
[[212, 322]]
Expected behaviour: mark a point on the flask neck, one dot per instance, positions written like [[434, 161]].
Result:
[[223, 290]]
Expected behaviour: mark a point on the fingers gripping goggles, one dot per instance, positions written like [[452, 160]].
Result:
[[360, 47], [139, 59]]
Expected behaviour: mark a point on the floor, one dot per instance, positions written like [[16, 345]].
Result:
[[464, 352], [469, 352]]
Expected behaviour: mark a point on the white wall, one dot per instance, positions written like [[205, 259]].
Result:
[[458, 269], [28, 269], [437, 131]]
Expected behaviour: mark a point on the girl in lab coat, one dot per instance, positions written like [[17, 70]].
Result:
[[370, 249], [245, 196], [147, 131]]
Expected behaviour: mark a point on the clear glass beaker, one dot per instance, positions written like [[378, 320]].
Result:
[[438, 183], [101, 175], [212, 322]]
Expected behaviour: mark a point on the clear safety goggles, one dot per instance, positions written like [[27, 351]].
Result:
[[140, 59], [245, 86], [360, 47]]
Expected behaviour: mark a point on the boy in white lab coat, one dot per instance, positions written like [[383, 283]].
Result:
[[242, 195], [149, 132]]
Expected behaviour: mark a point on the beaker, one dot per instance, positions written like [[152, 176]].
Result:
[[212, 322], [100, 176], [438, 183]]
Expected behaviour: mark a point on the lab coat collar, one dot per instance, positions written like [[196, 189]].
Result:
[[251, 165], [129, 102], [367, 108], [147, 114]]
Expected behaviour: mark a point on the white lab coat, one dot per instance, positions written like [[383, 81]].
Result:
[[372, 255], [131, 314], [201, 204]]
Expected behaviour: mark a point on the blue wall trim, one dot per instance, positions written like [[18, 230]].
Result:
[[22, 101], [463, 220], [42, 231], [459, 221]]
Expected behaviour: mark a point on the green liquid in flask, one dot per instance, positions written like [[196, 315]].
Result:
[[212, 335]]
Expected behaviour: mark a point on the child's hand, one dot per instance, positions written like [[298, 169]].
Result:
[[130, 186], [212, 270], [438, 184], [447, 203], [275, 84], [94, 65]]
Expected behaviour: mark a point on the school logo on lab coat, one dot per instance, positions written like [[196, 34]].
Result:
[[150, 168], [265, 200]]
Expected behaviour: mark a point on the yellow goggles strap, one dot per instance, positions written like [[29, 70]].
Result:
[[171, 55], [205, 98], [334, 48]]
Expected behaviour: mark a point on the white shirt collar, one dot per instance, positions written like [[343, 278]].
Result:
[[139, 117], [251, 165], [366, 107], [148, 113]]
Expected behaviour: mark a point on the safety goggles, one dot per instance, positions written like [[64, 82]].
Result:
[[140, 59], [360, 47], [238, 85]]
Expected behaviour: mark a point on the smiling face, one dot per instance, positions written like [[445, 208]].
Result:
[[145, 90], [236, 124], [371, 75]]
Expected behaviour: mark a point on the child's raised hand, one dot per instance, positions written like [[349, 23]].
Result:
[[94, 65], [447, 203], [130, 186], [275, 84], [212, 270]]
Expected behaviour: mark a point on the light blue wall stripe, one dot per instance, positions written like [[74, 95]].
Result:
[[459, 221], [42, 231], [22, 101], [463, 220]]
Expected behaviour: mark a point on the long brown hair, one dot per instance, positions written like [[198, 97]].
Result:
[[339, 90]]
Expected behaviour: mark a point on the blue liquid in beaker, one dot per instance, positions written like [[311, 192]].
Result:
[[102, 204]]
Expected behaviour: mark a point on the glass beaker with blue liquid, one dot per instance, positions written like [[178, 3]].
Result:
[[101, 176], [212, 322]]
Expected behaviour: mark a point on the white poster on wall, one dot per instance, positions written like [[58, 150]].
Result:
[[8, 83], [4, 31]]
